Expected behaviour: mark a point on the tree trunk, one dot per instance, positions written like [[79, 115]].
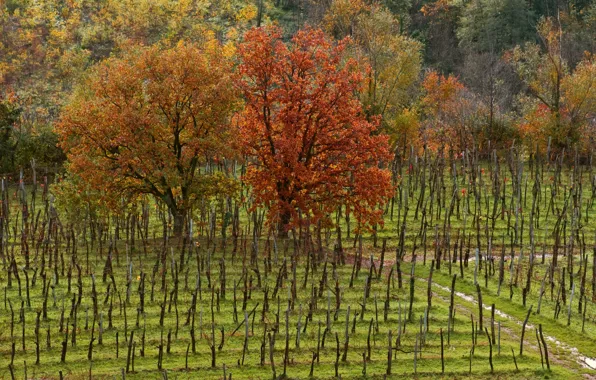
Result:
[[178, 212], [284, 222], [179, 218]]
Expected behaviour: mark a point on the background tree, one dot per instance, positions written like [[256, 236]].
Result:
[[437, 23], [9, 116], [493, 26], [558, 103], [395, 61], [453, 116], [485, 30], [342, 17], [147, 122], [579, 95], [578, 34], [313, 148], [496, 84]]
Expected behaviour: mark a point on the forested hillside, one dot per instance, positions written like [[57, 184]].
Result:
[[502, 71]]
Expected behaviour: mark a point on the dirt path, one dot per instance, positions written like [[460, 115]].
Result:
[[569, 351], [554, 357], [573, 352]]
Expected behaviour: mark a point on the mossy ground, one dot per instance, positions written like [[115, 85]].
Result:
[[576, 338]]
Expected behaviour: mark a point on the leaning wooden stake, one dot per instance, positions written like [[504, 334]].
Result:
[[129, 356], [521, 343], [539, 348], [544, 345], [490, 354]]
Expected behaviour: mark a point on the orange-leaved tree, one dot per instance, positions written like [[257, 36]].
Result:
[[146, 123], [311, 148], [453, 116]]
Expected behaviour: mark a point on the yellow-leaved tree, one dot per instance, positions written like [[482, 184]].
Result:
[[559, 105], [395, 62]]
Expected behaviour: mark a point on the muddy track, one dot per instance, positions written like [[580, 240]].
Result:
[[555, 357], [567, 350], [564, 353]]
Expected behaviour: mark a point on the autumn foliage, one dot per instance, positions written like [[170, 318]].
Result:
[[147, 123], [319, 118], [559, 108], [311, 146], [441, 103]]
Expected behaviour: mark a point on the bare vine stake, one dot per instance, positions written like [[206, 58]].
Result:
[[451, 321], [312, 365], [514, 360], [544, 345], [271, 352], [499, 339], [389, 353], [539, 348], [473, 332], [336, 355], [186, 359], [416, 352], [521, 343], [346, 336], [245, 346], [286, 351], [368, 346], [479, 307], [442, 353], [128, 358], [492, 323], [570, 301], [490, 354]]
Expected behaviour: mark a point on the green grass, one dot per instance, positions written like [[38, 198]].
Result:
[[457, 354], [105, 364]]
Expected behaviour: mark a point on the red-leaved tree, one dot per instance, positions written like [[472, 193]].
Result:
[[310, 145]]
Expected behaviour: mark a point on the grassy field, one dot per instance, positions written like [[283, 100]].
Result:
[[287, 276]]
